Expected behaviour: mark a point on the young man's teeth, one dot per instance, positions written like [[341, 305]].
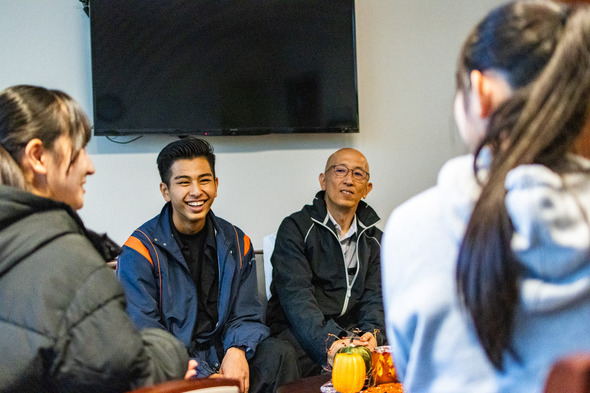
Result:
[[195, 204]]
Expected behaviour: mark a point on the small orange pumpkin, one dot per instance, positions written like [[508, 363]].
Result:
[[365, 353], [348, 373]]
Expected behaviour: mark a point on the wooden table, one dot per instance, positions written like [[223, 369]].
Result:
[[306, 385], [313, 385]]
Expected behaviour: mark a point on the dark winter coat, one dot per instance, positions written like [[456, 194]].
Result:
[[63, 325]]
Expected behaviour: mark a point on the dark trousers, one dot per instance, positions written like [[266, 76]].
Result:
[[306, 364], [274, 364]]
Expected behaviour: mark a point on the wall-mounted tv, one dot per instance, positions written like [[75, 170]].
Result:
[[223, 67]]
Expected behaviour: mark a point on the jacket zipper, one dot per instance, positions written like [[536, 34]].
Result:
[[349, 284]]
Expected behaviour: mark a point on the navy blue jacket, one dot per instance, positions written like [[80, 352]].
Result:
[[161, 292]]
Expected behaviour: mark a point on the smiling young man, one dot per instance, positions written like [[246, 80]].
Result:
[[326, 259], [194, 274]]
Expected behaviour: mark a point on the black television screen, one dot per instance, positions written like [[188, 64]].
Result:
[[223, 67]]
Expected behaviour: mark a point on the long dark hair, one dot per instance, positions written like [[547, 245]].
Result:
[[538, 124], [516, 39], [29, 112]]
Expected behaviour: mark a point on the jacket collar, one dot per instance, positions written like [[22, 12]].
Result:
[[163, 235], [18, 241], [365, 214]]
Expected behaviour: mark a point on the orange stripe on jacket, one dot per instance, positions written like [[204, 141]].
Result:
[[246, 245], [158, 262], [135, 244]]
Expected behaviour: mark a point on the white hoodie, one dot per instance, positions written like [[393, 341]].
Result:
[[435, 347]]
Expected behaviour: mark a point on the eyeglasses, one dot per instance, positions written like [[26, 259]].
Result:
[[341, 171]]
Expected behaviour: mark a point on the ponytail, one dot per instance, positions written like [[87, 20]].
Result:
[[538, 124], [10, 172]]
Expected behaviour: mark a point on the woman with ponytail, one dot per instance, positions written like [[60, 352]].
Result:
[[63, 325], [523, 271], [486, 276]]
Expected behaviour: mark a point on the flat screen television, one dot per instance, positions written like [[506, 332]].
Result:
[[223, 67]]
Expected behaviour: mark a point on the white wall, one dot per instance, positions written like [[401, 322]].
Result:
[[406, 53]]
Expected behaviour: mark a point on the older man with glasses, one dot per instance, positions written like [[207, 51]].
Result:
[[326, 283]]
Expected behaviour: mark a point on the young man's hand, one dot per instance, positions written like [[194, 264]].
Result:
[[191, 371], [234, 365]]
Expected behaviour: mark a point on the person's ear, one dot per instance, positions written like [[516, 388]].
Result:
[[480, 89], [368, 190], [216, 181], [34, 157], [165, 191], [322, 179], [491, 89]]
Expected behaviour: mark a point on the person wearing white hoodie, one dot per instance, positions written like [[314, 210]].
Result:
[[486, 276]]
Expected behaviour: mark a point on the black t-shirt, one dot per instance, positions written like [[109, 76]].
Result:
[[200, 253]]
